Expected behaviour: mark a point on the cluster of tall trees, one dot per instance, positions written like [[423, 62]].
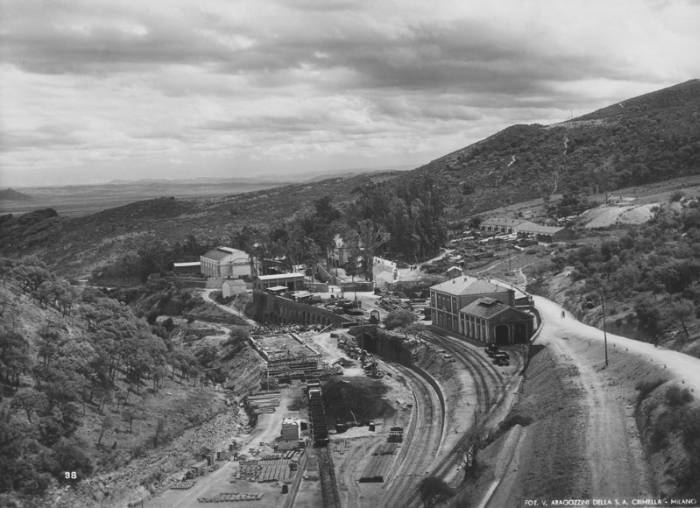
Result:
[[401, 218]]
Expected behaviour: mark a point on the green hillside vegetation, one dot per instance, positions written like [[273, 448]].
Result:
[[650, 138], [88, 386], [649, 275]]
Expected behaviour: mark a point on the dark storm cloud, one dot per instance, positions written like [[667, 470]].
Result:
[[460, 55]]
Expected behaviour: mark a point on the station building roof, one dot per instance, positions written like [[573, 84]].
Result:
[[466, 285]]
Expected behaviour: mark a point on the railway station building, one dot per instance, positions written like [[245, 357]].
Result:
[[447, 298], [492, 322], [479, 309]]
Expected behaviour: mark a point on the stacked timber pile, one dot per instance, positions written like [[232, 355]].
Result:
[[227, 497], [379, 463]]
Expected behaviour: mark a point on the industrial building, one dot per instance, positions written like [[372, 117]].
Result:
[[447, 298], [287, 357], [290, 429], [280, 282], [226, 262], [233, 287], [505, 225], [187, 267]]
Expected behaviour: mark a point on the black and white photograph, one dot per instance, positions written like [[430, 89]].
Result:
[[349, 253]]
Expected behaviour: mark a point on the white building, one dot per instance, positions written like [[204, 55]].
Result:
[[233, 287], [290, 429], [226, 262], [290, 281]]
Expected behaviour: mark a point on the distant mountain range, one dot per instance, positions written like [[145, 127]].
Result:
[[13, 195]]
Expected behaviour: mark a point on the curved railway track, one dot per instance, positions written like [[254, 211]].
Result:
[[489, 385], [421, 441]]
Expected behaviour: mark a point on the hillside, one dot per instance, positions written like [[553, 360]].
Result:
[[13, 195], [89, 386], [646, 139], [76, 246], [651, 138]]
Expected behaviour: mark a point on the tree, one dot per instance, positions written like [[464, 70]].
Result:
[[15, 357], [434, 491], [160, 428], [128, 415], [682, 310], [30, 401], [70, 457], [399, 319], [372, 236], [107, 424]]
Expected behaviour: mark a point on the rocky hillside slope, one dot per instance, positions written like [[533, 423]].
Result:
[[646, 139]]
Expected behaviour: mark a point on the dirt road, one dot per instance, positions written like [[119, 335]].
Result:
[[613, 451], [679, 365], [206, 295], [267, 428]]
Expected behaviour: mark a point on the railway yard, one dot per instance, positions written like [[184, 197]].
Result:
[[436, 406]]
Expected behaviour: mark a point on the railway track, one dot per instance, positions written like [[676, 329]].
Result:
[[489, 385], [421, 441]]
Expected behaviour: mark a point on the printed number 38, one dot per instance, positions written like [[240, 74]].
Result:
[[70, 475]]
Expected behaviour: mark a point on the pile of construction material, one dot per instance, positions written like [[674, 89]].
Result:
[[379, 463], [392, 303], [278, 467], [263, 402], [183, 485], [227, 497]]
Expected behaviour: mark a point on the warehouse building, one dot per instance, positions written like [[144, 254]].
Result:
[[225, 262], [280, 281], [524, 228]]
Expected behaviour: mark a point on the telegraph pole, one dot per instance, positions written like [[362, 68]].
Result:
[[605, 333]]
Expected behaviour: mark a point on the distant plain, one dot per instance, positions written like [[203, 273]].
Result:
[[79, 200]]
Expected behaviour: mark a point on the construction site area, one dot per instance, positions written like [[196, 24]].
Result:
[[346, 418], [288, 357]]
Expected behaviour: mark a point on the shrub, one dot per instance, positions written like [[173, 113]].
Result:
[[676, 196], [434, 491], [646, 387], [675, 396]]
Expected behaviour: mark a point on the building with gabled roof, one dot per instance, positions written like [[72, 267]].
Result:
[[447, 298], [493, 322], [286, 281], [505, 225], [226, 262]]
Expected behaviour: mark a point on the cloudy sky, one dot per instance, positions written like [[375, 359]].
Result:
[[94, 90]]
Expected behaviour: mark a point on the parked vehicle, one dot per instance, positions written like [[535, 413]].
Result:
[[491, 349], [501, 358]]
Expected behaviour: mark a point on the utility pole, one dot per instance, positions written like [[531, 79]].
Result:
[[605, 333]]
